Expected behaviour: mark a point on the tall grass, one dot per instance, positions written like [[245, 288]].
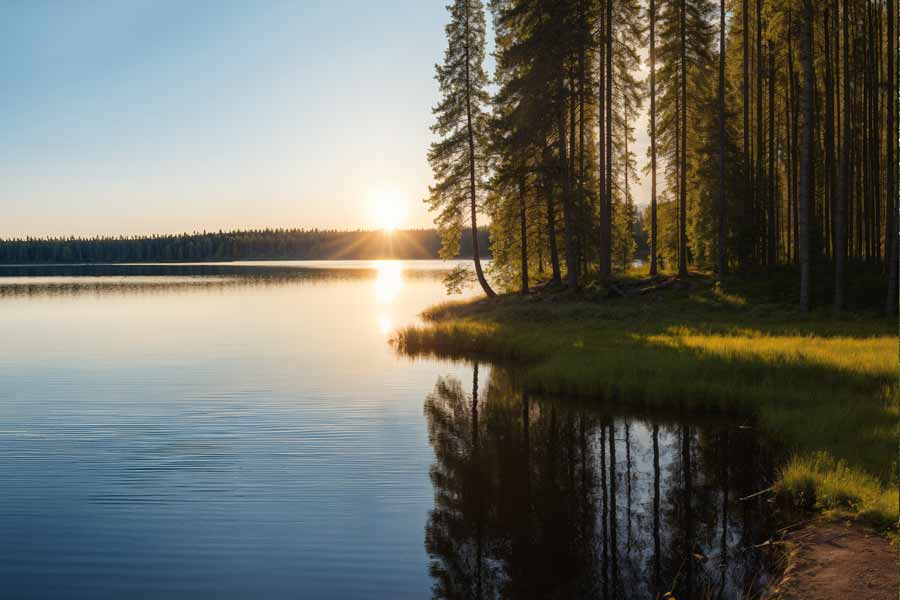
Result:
[[824, 387]]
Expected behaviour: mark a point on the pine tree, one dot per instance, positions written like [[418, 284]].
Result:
[[457, 159]]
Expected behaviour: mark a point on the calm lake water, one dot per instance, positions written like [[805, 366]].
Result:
[[246, 431]]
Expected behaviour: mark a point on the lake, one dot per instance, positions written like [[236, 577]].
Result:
[[245, 430]]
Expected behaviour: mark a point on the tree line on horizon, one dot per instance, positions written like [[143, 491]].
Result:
[[260, 244], [773, 139]]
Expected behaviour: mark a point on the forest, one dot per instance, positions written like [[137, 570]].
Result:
[[772, 128], [265, 244], [769, 288]]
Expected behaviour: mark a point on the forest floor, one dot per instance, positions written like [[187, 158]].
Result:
[[834, 560], [822, 386]]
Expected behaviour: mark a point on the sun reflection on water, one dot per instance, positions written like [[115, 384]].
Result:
[[385, 324], [389, 281], [388, 284]]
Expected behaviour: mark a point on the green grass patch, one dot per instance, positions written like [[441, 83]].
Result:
[[824, 386]]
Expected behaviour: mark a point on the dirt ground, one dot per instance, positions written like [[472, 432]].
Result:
[[839, 561]]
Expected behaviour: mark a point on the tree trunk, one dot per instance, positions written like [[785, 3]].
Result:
[[891, 213], [556, 277], [582, 75], [604, 248], [758, 179], [682, 202], [473, 197], [806, 150], [829, 134], [571, 257], [721, 264], [795, 141], [608, 218], [771, 229], [843, 199], [653, 225], [523, 231], [745, 92], [789, 173]]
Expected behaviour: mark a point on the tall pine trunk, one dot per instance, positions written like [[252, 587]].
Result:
[[843, 200], [891, 214], [568, 226], [582, 76], [556, 275], [745, 94], [608, 218], [473, 197], [806, 151], [523, 231], [758, 180], [721, 264], [604, 249], [830, 183], [771, 229], [653, 221], [682, 201]]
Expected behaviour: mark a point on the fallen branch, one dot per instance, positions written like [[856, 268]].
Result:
[[659, 286], [759, 493]]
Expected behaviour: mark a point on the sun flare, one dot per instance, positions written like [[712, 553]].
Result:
[[388, 208]]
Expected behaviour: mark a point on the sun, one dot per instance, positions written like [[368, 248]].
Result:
[[388, 208]]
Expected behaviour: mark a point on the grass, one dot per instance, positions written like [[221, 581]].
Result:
[[823, 386]]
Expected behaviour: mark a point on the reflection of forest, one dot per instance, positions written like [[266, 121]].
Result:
[[546, 499], [75, 280]]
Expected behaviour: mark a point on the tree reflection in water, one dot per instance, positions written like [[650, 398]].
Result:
[[537, 498]]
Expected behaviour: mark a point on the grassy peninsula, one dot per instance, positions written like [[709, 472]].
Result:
[[822, 387]]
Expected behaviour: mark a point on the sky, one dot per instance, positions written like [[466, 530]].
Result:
[[162, 116]]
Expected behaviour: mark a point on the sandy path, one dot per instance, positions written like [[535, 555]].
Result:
[[837, 561]]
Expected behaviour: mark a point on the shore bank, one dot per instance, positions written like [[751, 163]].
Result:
[[824, 387]]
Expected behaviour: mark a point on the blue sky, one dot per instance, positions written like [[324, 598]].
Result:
[[140, 116]]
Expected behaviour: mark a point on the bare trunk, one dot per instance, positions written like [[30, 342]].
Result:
[[601, 151], [473, 196], [795, 142], [721, 264], [829, 135], [523, 230], [745, 92], [556, 276], [608, 219], [758, 179], [582, 75], [571, 257], [891, 212], [843, 199], [653, 225], [682, 203], [806, 150], [771, 229]]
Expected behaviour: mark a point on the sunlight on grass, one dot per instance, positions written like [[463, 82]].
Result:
[[874, 356], [823, 388], [820, 481]]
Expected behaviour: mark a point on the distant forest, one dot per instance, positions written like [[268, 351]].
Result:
[[265, 244]]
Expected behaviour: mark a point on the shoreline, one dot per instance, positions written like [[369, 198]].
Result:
[[808, 380]]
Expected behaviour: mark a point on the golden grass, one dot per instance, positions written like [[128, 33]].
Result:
[[823, 386]]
